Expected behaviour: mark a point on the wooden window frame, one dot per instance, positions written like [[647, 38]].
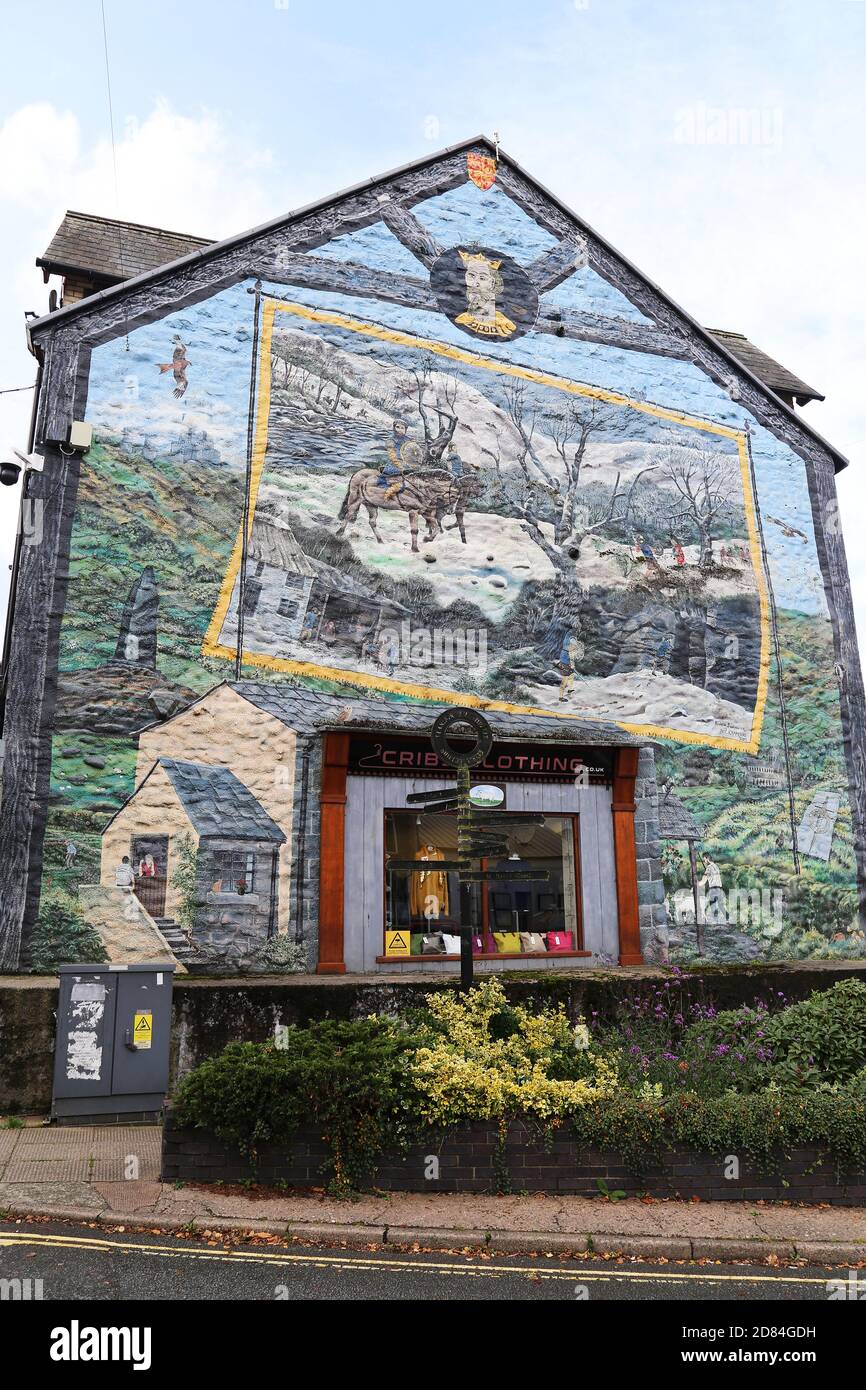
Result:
[[573, 816]]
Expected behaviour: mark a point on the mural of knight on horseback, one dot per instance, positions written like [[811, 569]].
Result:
[[429, 481]]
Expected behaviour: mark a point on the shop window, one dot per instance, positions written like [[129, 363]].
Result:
[[234, 871], [514, 917]]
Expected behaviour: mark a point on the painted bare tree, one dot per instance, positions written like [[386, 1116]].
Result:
[[572, 431], [707, 485], [434, 396]]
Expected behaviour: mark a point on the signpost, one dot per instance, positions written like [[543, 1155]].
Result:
[[462, 739]]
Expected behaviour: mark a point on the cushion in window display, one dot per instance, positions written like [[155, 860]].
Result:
[[559, 941], [417, 943], [452, 944], [433, 945], [507, 942], [532, 941]]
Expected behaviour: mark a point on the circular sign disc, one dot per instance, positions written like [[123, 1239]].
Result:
[[466, 725]]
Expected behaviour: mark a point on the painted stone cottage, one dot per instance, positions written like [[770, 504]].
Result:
[[430, 443]]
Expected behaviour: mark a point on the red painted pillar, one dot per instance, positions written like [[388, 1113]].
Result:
[[335, 761], [625, 855]]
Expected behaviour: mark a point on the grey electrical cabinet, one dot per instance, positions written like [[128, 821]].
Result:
[[112, 1050]]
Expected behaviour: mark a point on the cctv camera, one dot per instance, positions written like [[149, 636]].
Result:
[[14, 461]]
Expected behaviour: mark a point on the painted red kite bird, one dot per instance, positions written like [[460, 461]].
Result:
[[177, 366]]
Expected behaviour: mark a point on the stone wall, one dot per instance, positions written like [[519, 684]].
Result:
[[209, 1014]]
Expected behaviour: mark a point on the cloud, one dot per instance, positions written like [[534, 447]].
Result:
[[37, 144], [190, 173]]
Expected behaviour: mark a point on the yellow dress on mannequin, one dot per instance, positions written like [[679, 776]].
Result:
[[432, 883]]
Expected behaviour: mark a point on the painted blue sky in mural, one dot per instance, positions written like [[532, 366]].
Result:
[[127, 385]]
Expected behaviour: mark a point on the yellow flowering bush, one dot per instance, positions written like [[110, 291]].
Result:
[[488, 1059]]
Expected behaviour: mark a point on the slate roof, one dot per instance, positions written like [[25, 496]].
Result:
[[112, 251], [311, 711], [766, 368], [675, 822], [218, 804]]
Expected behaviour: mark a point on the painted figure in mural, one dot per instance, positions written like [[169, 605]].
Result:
[[711, 885], [483, 284], [328, 634], [570, 654], [308, 629], [392, 475], [177, 366], [646, 552], [391, 472], [679, 553], [389, 650], [147, 867], [456, 465], [123, 875], [430, 495], [71, 852], [663, 652]]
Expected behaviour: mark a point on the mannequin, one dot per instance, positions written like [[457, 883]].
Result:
[[429, 884]]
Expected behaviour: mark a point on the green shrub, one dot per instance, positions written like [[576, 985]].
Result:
[[351, 1078], [822, 1038], [247, 1096], [62, 936]]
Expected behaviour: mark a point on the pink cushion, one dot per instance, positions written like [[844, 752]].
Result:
[[559, 941]]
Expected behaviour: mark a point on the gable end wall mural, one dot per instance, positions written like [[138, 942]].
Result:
[[432, 442]]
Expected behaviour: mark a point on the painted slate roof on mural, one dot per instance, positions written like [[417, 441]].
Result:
[[311, 711], [218, 804], [114, 250], [675, 821]]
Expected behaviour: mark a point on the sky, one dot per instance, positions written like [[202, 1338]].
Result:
[[718, 146]]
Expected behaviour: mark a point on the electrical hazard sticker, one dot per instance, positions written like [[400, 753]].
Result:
[[142, 1031], [397, 943]]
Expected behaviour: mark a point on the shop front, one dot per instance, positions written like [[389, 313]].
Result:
[[578, 904]]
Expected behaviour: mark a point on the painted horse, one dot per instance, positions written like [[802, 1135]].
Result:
[[431, 495]]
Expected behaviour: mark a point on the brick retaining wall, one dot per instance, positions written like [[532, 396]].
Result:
[[468, 1163]]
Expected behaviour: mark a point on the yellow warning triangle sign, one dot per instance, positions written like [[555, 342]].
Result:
[[397, 942], [142, 1023]]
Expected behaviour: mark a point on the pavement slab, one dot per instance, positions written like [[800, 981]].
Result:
[[50, 1196]]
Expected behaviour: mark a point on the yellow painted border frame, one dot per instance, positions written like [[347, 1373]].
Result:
[[212, 647]]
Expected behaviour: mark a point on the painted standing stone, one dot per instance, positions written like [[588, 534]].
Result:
[[137, 640]]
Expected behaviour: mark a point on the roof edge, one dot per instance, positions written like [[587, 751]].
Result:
[[37, 326]]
